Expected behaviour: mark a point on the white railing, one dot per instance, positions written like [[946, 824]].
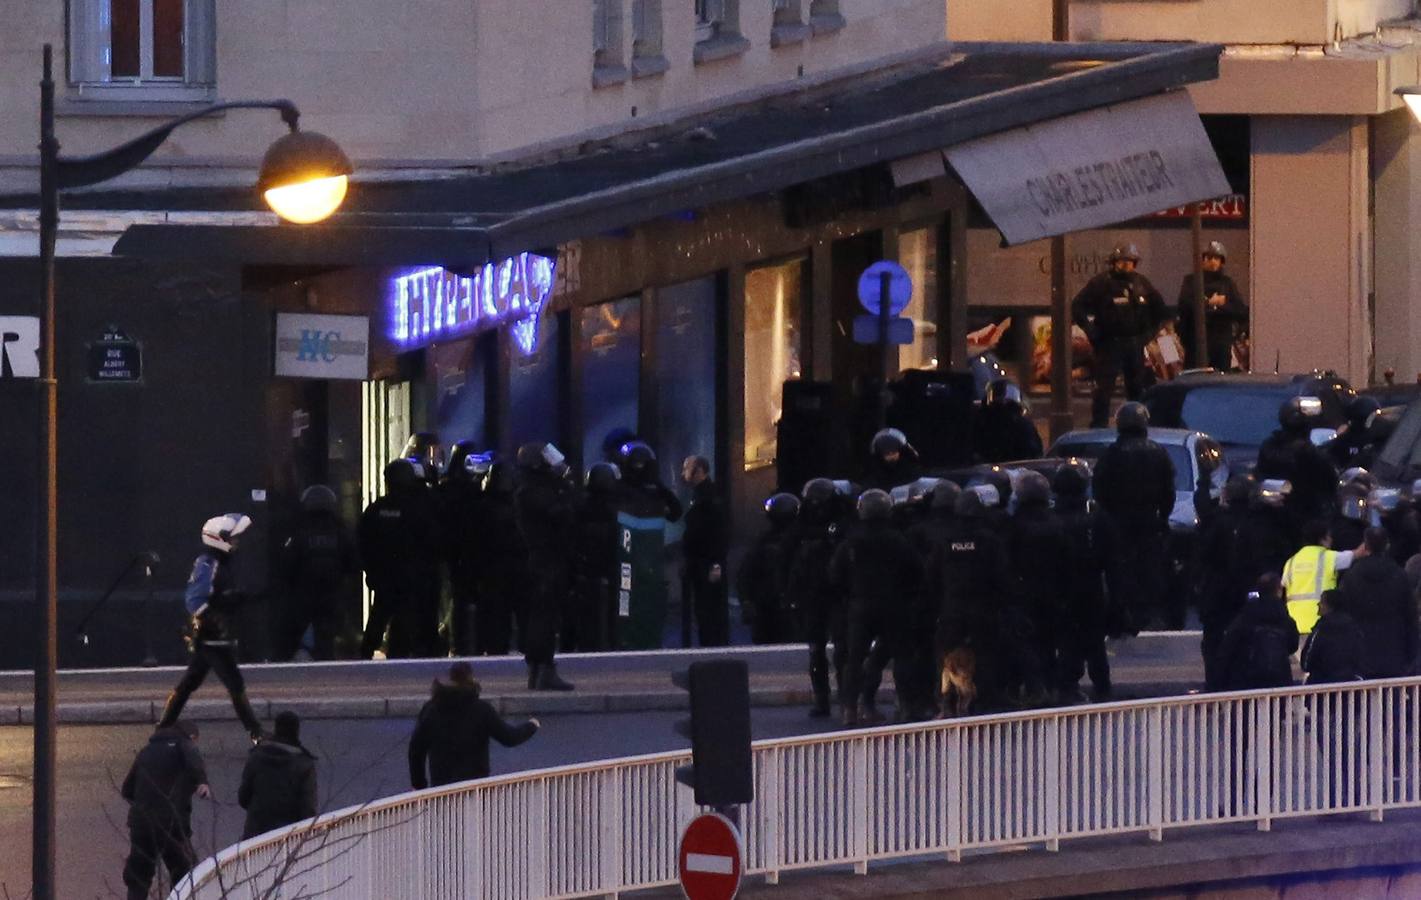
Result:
[[940, 788]]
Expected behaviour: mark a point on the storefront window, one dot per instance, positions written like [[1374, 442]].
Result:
[[462, 379], [686, 375], [535, 385], [611, 374], [917, 252], [773, 298]]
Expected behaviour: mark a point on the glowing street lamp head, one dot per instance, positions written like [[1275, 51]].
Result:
[[304, 177]]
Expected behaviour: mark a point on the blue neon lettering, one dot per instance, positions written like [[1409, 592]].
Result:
[[511, 292]]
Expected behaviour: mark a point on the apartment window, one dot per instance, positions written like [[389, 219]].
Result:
[[788, 24], [143, 47], [825, 16], [647, 58], [718, 30], [607, 57]]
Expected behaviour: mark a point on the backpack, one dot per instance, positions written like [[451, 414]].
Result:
[[1266, 658]]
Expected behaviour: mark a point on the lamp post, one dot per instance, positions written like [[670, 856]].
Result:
[[303, 178]]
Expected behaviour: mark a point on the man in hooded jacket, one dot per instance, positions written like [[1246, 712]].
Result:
[[278, 785], [453, 730]]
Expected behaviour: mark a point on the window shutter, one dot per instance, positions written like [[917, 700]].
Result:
[[201, 38], [599, 25], [88, 41]]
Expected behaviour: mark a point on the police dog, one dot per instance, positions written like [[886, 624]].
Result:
[[959, 682]]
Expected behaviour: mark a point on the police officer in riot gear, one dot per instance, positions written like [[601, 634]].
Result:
[[1040, 555], [641, 480], [500, 563], [705, 544], [1224, 311], [892, 461], [1353, 517], [875, 568], [593, 617], [1002, 430], [1356, 444], [399, 550], [212, 599], [809, 591], [1134, 485], [424, 450], [1221, 593], [1084, 620], [1289, 454], [545, 516], [461, 497], [1120, 312], [314, 562], [763, 580]]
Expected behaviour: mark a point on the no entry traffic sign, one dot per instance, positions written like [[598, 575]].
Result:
[[710, 858]]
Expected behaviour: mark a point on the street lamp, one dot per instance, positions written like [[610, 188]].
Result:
[[303, 178]]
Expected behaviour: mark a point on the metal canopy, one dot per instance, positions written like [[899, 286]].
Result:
[[956, 94]]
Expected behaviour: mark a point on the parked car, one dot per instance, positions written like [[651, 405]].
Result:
[[1399, 462], [1197, 458], [1239, 411]]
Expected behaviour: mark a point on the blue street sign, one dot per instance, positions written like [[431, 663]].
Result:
[[900, 331], [900, 287]]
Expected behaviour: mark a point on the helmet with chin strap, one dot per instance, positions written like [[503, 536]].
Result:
[[219, 532]]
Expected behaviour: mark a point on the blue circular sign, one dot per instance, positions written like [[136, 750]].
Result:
[[900, 287]]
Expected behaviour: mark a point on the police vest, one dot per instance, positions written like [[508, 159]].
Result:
[[1310, 572]]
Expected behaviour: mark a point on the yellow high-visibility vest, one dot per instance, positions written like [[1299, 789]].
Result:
[[1311, 571]]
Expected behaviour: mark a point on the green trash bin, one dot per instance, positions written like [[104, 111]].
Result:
[[641, 595]]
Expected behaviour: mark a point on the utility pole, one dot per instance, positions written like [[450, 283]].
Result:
[[1061, 419]]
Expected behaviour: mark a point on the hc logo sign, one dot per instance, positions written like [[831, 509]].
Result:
[[317, 346]]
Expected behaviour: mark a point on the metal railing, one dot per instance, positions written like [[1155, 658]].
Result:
[[941, 788]]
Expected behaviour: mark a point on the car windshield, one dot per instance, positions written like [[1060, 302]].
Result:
[[1178, 454], [1233, 416]]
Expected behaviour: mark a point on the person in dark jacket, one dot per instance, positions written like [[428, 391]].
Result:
[[315, 561], [1256, 649], [1357, 441], [546, 517], [453, 730], [1334, 652], [212, 600], [1134, 485], [279, 780], [1225, 311], [1093, 555], [704, 546], [1222, 589], [892, 461], [1039, 550], [399, 548], [500, 563], [809, 591], [875, 568], [763, 579], [1120, 312], [595, 568], [460, 498], [159, 789], [1002, 430], [1289, 454], [1377, 594]]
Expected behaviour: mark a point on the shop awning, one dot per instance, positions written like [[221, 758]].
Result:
[[960, 98]]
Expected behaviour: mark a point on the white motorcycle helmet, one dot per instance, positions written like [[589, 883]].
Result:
[[219, 531]]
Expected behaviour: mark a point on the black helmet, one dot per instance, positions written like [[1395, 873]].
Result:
[[638, 455], [987, 495], [530, 456], [818, 491], [1238, 490], [969, 505], [1032, 489], [889, 440], [602, 478], [875, 504], [1360, 410], [1296, 412], [782, 508], [500, 478], [999, 480], [1072, 479], [1133, 419], [401, 475], [464, 460], [318, 498], [1216, 248], [1125, 251], [1001, 391], [945, 494]]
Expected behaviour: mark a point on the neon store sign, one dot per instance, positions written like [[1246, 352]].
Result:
[[434, 303]]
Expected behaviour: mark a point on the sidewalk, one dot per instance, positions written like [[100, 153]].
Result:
[[1150, 665]]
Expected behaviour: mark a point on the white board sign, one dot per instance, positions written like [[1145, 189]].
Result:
[[19, 347], [316, 346], [1091, 169]]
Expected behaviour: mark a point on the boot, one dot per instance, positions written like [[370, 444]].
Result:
[[548, 679], [171, 710], [247, 716], [533, 673], [819, 681]]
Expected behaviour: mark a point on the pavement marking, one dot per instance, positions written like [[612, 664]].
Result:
[[706, 862]]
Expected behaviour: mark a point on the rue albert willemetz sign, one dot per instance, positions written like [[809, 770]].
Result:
[[1092, 169], [115, 358]]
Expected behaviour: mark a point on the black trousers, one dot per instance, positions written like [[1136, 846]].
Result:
[[147, 844], [541, 619], [316, 610], [412, 617], [221, 659], [863, 626], [1114, 359], [711, 605], [821, 626]]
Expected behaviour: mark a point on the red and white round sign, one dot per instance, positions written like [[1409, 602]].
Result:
[[710, 858]]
